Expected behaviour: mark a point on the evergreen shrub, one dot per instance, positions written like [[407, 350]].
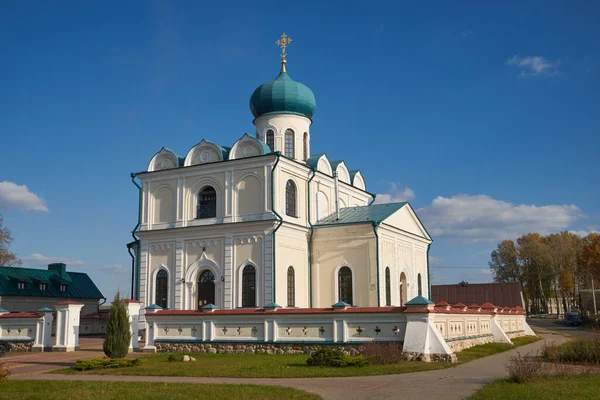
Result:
[[104, 363], [118, 334], [327, 357]]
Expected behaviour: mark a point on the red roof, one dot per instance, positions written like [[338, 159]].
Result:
[[503, 294], [20, 315], [131, 301]]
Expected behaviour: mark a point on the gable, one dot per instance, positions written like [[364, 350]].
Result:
[[406, 219]]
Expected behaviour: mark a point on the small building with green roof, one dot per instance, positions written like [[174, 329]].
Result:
[[31, 289]]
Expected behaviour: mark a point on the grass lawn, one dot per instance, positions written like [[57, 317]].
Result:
[[573, 386], [489, 349], [281, 366], [79, 390]]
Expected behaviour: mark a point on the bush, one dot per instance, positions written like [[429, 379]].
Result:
[[326, 357], [174, 357], [524, 368], [383, 352], [105, 363], [118, 334], [581, 351], [4, 372]]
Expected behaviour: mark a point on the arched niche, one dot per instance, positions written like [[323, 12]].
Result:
[[249, 195], [205, 152], [164, 205], [164, 159], [358, 181], [248, 146], [342, 171]]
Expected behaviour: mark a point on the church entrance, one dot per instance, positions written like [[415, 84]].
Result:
[[206, 288]]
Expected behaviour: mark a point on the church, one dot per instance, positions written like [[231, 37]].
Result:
[[267, 222]]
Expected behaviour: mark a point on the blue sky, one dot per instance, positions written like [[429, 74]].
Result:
[[484, 116]]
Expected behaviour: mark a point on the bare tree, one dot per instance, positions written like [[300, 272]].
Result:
[[7, 258]]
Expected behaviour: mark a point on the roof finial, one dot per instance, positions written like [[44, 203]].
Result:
[[283, 43]]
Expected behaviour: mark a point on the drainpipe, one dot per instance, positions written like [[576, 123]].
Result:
[[428, 275], [372, 200], [377, 262], [280, 220], [337, 195], [132, 268], [136, 268], [310, 246]]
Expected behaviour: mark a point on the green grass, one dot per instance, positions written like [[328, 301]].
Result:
[[253, 366], [79, 390], [567, 387], [489, 349]]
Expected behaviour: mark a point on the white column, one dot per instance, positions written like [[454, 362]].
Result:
[[43, 337], [177, 284], [228, 274], [133, 311], [150, 328], [67, 326]]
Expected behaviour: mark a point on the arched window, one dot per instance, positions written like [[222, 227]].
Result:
[[249, 286], [419, 286], [162, 288], [403, 289], [345, 285], [271, 139], [291, 287], [207, 203], [290, 199], [388, 288], [206, 288], [289, 143], [305, 143]]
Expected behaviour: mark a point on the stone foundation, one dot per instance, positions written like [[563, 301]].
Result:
[[251, 348], [461, 344], [515, 334], [446, 358], [20, 346]]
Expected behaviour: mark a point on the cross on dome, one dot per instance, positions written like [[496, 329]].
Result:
[[283, 43]]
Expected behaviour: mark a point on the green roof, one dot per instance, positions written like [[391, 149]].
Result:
[[283, 96], [375, 213], [314, 160], [334, 164], [79, 285], [419, 301]]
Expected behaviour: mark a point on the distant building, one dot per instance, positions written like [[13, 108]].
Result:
[[499, 294], [29, 289]]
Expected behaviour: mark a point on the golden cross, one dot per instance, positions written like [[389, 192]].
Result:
[[283, 43]]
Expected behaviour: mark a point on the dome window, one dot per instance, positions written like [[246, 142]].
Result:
[[271, 139], [305, 146], [289, 143]]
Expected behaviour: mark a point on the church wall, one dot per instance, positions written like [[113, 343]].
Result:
[[279, 124], [346, 245], [299, 176], [163, 200], [192, 185], [292, 250], [249, 250], [200, 255], [160, 256]]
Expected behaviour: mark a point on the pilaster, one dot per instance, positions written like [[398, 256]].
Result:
[[177, 284], [268, 269], [228, 274]]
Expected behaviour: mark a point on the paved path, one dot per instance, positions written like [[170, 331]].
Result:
[[453, 383]]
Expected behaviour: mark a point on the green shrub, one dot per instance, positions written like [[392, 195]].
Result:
[[105, 363], [581, 351], [327, 357], [174, 357], [118, 334], [4, 372]]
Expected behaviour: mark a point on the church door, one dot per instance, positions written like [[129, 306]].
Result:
[[206, 289]]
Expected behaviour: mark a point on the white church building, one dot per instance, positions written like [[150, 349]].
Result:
[[266, 221]]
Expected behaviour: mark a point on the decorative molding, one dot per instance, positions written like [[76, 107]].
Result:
[[161, 247]]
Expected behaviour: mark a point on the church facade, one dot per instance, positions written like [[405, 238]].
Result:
[[267, 221]]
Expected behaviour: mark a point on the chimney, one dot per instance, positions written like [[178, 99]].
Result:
[[59, 268], [337, 194]]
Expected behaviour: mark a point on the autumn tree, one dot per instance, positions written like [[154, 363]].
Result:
[[7, 258]]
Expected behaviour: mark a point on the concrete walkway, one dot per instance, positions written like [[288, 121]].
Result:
[[458, 382]]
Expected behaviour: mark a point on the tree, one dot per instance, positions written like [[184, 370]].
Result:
[[118, 334], [7, 258], [505, 264]]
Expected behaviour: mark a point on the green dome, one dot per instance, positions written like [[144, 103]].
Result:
[[283, 96]]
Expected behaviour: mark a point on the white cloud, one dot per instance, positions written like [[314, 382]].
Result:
[[39, 259], [584, 233], [481, 218], [395, 194], [486, 271], [15, 196], [111, 268], [435, 261], [533, 65]]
